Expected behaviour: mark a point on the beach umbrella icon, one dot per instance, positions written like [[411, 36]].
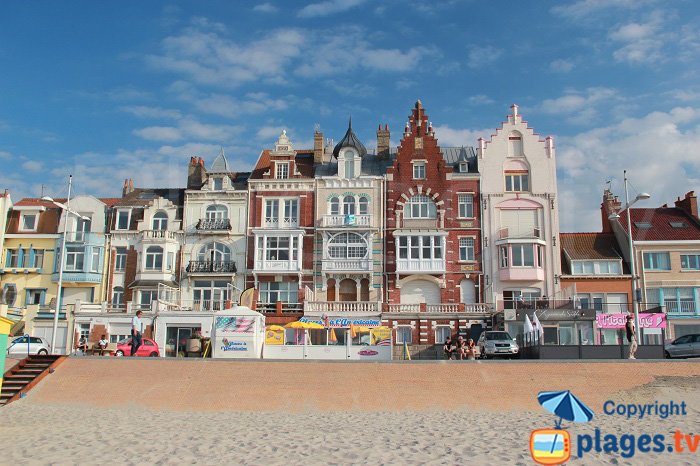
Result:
[[565, 405]]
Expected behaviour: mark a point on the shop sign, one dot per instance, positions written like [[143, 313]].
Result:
[[381, 336], [558, 314], [657, 320], [274, 337], [234, 345], [345, 322]]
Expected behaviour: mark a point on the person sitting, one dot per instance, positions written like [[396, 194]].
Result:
[[102, 344], [448, 348], [461, 348], [471, 349], [82, 345]]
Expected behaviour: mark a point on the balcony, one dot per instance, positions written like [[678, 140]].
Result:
[[420, 265], [211, 267], [279, 308], [574, 303], [349, 265], [478, 308], [680, 308], [160, 234], [339, 307], [213, 225], [346, 221], [520, 233], [282, 223], [277, 266]]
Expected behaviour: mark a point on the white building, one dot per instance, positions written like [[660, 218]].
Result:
[[520, 214]]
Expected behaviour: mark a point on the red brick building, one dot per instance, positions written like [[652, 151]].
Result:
[[433, 266], [281, 230]]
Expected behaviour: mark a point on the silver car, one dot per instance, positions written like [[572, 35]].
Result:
[[497, 343], [20, 347], [686, 346]]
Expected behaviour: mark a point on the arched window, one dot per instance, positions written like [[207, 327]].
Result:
[[364, 205], [420, 206], [349, 205], [349, 164], [154, 258], [216, 212], [118, 296], [160, 221], [215, 252], [335, 206], [347, 246]]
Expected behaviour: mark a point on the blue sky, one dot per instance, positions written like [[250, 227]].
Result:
[[132, 89]]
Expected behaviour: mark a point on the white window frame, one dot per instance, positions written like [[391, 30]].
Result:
[[523, 247], [363, 205], [279, 213], [128, 219], [422, 203], [415, 247], [518, 179], [217, 183], [269, 244], [504, 256], [120, 259], [280, 173], [216, 212], [340, 247], [118, 296], [595, 267], [73, 257], [158, 217], [400, 329], [690, 258], [419, 169], [153, 294], [463, 167], [152, 258], [440, 340], [95, 260], [286, 292], [467, 248], [334, 205], [465, 205], [349, 207], [38, 254], [23, 218]]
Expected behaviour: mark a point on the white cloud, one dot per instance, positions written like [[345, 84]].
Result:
[[579, 106], [561, 66], [33, 166], [480, 99], [269, 132], [454, 137], [159, 133], [641, 41], [266, 7], [481, 56], [653, 148], [328, 7], [143, 111], [583, 8], [5, 155]]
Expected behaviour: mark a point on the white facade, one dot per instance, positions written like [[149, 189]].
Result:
[[520, 213]]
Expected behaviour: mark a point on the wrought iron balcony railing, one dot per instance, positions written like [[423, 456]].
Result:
[[216, 224], [211, 267]]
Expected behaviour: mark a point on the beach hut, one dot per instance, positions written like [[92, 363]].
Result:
[[239, 333]]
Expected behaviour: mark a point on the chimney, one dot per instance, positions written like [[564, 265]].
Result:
[[318, 147], [609, 206], [383, 137], [689, 205], [196, 173], [125, 188]]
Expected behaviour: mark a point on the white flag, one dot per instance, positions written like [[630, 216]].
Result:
[[538, 326], [528, 325]]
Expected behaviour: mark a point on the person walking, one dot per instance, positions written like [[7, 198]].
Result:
[[136, 332], [631, 336]]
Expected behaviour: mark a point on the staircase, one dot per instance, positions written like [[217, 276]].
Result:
[[27, 373]]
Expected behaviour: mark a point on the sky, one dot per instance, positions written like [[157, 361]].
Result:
[[112, 90]]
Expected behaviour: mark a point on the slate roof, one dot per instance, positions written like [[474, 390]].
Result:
[[304, 163], [350, 140], [220, 164], [371, 166], [659, 221]]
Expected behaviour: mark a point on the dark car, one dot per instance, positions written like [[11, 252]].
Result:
[[687, 346]]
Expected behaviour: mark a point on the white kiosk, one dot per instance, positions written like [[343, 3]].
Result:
[[238, 333]]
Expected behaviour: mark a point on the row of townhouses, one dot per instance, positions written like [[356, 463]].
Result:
[[429, 240]]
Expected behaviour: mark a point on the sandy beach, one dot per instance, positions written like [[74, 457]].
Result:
[[116, 419]]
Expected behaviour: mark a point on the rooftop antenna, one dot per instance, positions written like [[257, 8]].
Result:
[[42, 190]]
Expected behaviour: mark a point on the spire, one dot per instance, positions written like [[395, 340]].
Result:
[[220, 164], [350, 140]]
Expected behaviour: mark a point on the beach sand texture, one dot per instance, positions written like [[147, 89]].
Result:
[[124, 411]]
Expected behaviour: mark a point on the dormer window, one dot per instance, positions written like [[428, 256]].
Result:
[[123, 217], [218, 183], [463, 167], [29, 222], [349, 164], [282, 170], [160, 221]]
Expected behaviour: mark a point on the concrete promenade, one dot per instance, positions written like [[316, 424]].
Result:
[[218, 385]]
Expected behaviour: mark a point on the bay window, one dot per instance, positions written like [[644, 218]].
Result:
[[75, 258], [521, 255], [154, 258], [420, 247], [347, 246]]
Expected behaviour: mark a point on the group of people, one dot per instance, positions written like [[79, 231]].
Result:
[[101, 345], [460, 348]]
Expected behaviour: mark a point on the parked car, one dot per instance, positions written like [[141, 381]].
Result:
[[497, 343], [686, 346], [148, 348], [37, 345]]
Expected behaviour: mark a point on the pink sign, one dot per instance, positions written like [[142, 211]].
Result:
[[618, 320]]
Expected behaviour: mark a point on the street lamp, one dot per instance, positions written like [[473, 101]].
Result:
[[66, 208], [615, 216]]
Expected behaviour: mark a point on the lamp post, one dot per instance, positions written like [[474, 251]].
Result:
[[65, 208], [630, 240]]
